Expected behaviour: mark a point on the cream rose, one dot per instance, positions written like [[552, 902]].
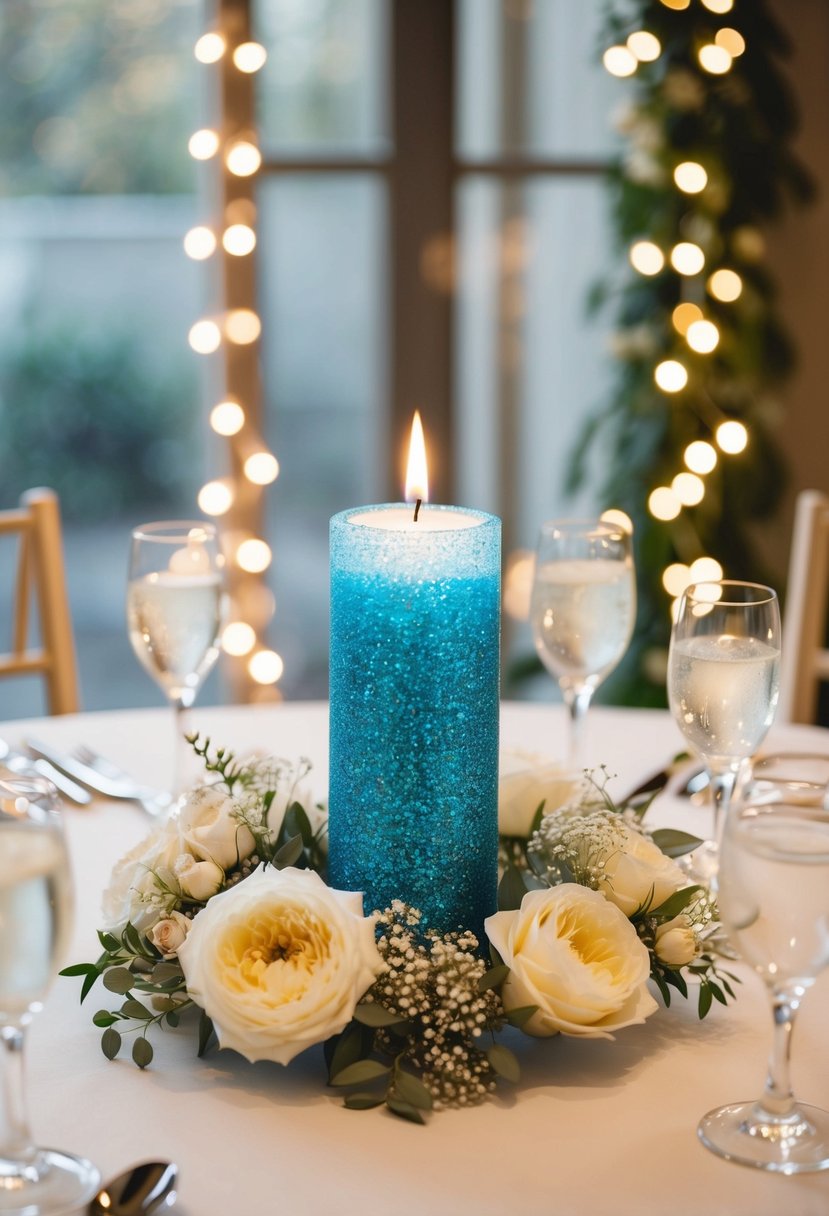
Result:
[[279, 962], [209, 826], [168, 934], [199, 880], [142, 887], [578, 958], [636, 873], [676, 943], [526, 780]]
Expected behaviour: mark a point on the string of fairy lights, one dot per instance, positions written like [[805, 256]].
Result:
[[248, 555], [696, 334]]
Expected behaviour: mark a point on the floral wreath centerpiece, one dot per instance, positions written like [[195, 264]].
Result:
[[224, 913]]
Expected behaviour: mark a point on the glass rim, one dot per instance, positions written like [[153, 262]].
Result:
[[769, 594], [570, 527], [174, 531]]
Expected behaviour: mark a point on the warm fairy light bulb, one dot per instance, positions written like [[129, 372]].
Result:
[[239, 239], [243, 158], [670, 376], [716, 6], [732, 40], [644, 46], [689, 489], [714, 59], [203, 144], [250, 56], [265, 667], [621, 519], [205, 337], [253, 555], [619, 61], [700, 457], [706, 570], [731, 437], [227, 418], [690, 177], [677, 5], [675, 578], [703, 337], [238, 638], [687, 258], [646, 257], [199, 243], [242, 326], [261, 468], [725, 285], [210, 48], [216, 497], [663, 503], [684, 316]]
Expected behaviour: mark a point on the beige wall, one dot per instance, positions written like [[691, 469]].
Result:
[[799, 255]]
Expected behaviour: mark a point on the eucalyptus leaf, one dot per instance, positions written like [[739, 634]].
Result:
[[705, 997], [674, 843], [675, 903], [104, 1018], [521, 1015], [173, 1018], [504, 1062], [352, 1045], [110, 944], [410, 1089], [119, 979], [142, 1052], [363, 1101], [136, 1010], [493, 978], [362, 1070], [511, 890], [404, 1110], [163, 972], [110, 1043], [290, 853]]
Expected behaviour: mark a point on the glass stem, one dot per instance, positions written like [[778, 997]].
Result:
[[577, 701], [181, 748], [723, 781], [777, 1104], [18, 1154]]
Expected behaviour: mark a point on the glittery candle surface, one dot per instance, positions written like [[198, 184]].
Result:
[[414, 715]]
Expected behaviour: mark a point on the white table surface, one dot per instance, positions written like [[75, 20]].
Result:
[[593, 1127]]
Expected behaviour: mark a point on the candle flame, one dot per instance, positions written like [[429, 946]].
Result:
[[417, 477]]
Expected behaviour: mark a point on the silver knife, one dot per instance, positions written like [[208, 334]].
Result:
[[17, 762], [76, 769]]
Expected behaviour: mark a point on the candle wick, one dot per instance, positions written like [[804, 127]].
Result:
[[417, 508]]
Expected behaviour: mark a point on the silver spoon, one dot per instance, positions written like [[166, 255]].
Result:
[[145, 1188]]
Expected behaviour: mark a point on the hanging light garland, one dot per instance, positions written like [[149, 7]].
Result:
[[236, 499], [698, 344]]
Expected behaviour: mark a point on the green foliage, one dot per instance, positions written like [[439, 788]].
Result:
[[740, 127], [85, 416]]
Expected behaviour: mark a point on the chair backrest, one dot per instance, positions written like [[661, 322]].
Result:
[[805, 657], [40, 566]]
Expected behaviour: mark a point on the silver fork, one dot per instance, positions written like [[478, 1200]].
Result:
[[155, 803]]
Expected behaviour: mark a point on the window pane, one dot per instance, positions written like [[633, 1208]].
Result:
[[323, 243], [532, 81], [323, 88]]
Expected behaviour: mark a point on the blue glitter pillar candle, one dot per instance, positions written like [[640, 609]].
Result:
[[413, 799]]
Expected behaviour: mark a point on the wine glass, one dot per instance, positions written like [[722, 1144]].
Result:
[[723, 670], [35, 915], [174, 611], [773, 900], [582, 609]]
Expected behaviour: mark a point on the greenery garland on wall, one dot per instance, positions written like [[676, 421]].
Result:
[[688, 438]]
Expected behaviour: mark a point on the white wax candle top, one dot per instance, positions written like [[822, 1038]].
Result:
[[401, 519]]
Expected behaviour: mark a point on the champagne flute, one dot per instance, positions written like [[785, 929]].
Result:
[[773, 900], [174, 611], [723, 674], [35, 914], [582, 609]]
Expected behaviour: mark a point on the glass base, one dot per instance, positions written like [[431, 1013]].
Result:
[[740, 1133], [57, 1183]]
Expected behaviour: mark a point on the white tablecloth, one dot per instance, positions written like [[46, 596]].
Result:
[[592, 1128]]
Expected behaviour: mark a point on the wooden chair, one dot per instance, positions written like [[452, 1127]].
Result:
[[40, 565], [805, 660]]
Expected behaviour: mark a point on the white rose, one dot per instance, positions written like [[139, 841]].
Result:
[[279, 962], [637, 873], [141, 885], [676, 943], [168, 934], [208, 824], [199, 880], [527, 780], [575, 956]]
